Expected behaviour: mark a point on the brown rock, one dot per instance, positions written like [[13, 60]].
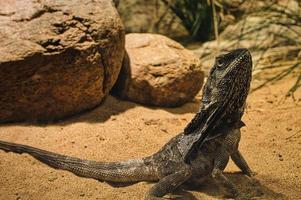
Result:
[[57, 57], [158, 71]]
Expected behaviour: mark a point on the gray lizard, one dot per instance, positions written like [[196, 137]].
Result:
[[229, 81], [223, 101]]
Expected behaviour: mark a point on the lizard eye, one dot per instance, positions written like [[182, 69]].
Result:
[[219, 62]]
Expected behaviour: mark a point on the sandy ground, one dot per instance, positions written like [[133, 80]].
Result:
[[119, 130]]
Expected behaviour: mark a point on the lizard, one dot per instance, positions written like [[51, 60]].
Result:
[[223, 100], [169, 167]]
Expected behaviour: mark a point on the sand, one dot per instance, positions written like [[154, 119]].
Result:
[[119, 130]]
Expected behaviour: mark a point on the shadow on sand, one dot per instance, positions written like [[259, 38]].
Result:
[[249, 189], [111, 106]]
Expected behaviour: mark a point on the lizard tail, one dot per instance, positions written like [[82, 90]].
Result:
[[125, 171]]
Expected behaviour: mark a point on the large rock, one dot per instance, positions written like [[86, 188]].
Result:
[[57, 57], [158, 71]]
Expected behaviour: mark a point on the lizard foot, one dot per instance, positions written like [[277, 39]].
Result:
[[251, 177], [250, 174]]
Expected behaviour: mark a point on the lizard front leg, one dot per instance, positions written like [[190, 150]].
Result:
[[240, 162], [220, 164], [168, 184]]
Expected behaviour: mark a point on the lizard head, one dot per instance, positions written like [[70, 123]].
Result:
[[229, 79]]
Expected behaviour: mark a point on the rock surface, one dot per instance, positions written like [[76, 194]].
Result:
[[158, 71], [57, 57]]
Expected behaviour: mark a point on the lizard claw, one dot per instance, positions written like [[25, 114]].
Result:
[[251, 177], [250, 174]]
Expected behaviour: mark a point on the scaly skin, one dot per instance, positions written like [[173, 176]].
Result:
[[224, 98], [169, 165]]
